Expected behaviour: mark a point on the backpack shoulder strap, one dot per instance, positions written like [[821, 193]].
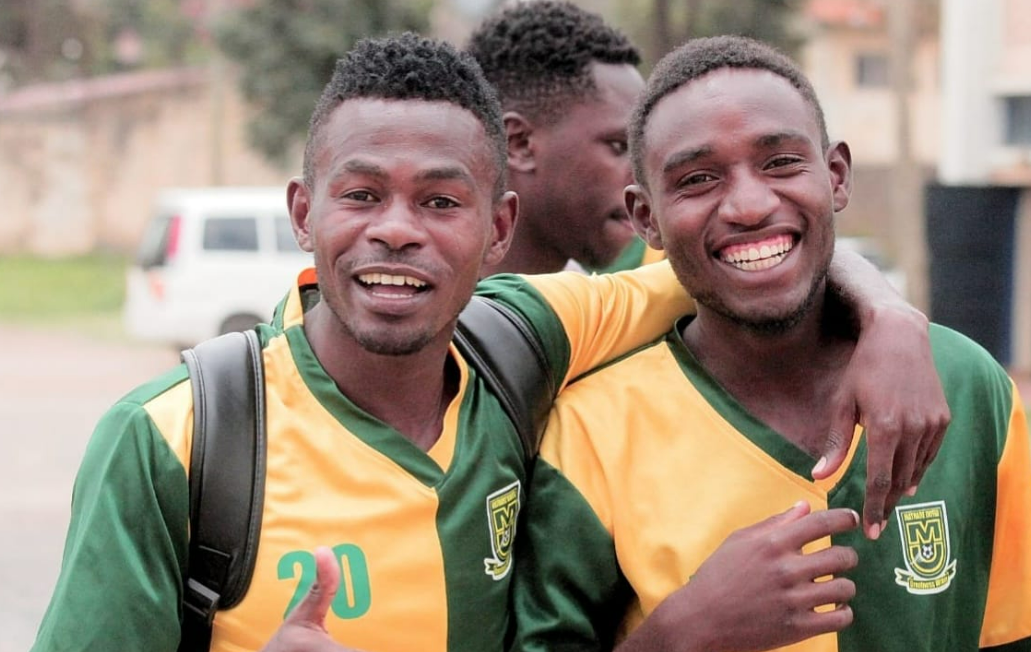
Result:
[[227, 478], [503, 349]]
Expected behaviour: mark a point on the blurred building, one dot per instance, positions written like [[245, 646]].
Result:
[[847, 56], [967, 92], [979, 210], [84, 159]]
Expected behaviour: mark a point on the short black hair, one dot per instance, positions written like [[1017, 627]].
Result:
[[699, 57], [411, 67], [538, 55]]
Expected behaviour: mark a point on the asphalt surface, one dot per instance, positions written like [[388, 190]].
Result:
[[54, 386]]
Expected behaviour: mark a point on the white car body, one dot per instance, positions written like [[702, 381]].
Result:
[[212, 260]]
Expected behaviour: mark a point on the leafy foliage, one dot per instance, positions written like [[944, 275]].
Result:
[[286, 50], [53, 40], [664, 24]]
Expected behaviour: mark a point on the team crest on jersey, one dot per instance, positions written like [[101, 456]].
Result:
[[502, 513], [924, 531]]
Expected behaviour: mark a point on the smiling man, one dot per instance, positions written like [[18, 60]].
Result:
[[384, 445], [671, 469]]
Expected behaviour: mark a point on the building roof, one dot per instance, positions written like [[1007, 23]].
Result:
[[847, 13], [75, 92]]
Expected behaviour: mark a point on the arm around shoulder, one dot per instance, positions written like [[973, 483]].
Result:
[[891, 388], [607, 315]]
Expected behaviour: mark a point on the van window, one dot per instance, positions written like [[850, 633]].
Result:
[[231, 234], [154, 247], [285, 241]]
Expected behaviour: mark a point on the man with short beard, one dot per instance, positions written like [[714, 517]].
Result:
[[680, 475]]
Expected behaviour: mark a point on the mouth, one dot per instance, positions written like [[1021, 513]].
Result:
[[759, 255], [392, 286]]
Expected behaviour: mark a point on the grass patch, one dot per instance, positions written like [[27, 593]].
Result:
[[63, 291]]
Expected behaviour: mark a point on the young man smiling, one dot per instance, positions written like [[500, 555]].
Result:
[[671, 468], [567, 82], [384, 444]]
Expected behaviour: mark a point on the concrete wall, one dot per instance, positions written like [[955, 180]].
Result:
[[83, 160]]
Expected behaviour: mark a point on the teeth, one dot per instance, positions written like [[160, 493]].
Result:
[[756, 265], [390, 279], [761, 257]]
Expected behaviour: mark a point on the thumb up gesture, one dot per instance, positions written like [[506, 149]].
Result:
[[304, 630]]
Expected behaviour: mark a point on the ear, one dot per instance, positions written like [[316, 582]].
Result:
[[503, 221], [638, 207], [519, 132], [298, 201], [839, 163]]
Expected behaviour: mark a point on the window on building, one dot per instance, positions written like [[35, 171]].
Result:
[[871, 70], [1018, 120]]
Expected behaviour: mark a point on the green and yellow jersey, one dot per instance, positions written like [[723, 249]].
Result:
[[634, 255], [648, 465], [424, 539]]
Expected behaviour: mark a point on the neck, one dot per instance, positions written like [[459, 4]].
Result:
[[531, 251], [407, 392], [528, 254], [786, 379]]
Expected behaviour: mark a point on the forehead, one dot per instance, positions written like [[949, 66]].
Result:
[[416, 133], [608, 106], [726, 106]]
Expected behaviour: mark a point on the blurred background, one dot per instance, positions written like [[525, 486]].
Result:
[[107, 104]]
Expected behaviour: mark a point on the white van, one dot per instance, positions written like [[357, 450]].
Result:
[[212, 260]]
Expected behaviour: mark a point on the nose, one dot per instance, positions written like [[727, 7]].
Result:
[[748, 200], [397, 226]]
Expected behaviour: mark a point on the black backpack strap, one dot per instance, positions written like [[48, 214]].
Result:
[[227, 478], [503, 349]]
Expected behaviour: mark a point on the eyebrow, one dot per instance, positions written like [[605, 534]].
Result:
[[685, 156], [363, 167], [442, 173], [772, 140], [446, 173]]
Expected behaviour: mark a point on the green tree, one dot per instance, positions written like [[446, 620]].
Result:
[[53, 40], [286, 50], [665, 24]]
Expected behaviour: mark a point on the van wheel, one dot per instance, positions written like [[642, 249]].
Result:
[[239, 323]]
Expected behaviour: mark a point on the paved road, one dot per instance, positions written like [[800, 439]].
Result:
[[53, 388]]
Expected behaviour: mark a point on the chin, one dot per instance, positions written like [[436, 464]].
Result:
[[383, 342]]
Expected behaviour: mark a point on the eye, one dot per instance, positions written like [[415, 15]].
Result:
[[782, 160], [360, 196], [696, 179], [618, 146], [440, 202]]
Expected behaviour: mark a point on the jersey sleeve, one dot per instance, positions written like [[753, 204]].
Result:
[[1007, 619], [583, 321], [120, 584], [568, 590]]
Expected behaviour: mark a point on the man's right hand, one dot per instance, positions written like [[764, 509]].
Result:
[[758, 590], [304, 630]]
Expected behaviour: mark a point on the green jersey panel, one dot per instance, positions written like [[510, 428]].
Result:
[[668, 465], [120, 583], [424, 539]]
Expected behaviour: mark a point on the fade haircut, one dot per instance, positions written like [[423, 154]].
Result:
[[538, 55], [699, 57], [411, 67]]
